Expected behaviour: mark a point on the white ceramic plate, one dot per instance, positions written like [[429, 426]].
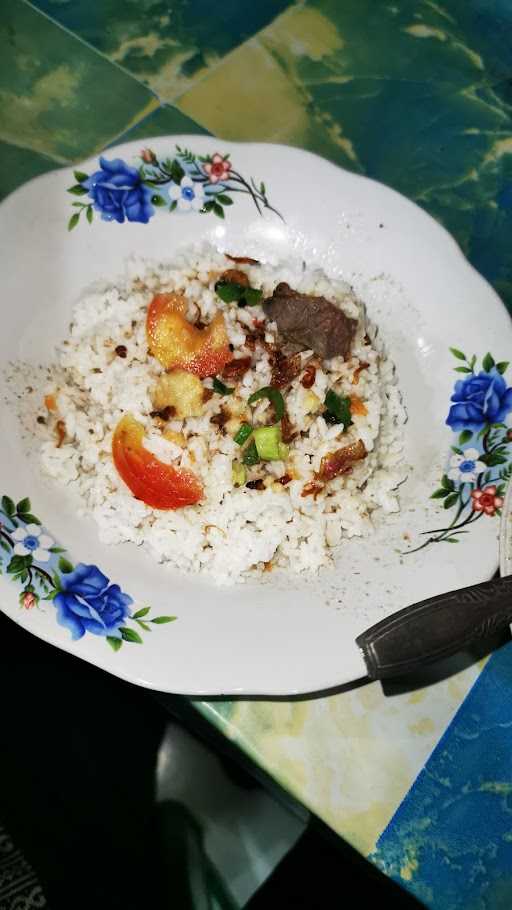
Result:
[[285, 635]]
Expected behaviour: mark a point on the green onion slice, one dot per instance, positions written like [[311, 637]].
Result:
[[222, 389], [243, 434], [250, 455], [232, 292], [337, 409]]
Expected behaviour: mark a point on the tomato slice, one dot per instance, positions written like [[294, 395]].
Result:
[[175, 342], [159, 485]]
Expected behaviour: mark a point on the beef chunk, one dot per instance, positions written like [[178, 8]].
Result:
[[311, 322]]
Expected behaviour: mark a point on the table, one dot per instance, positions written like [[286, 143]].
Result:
[[417, 95]]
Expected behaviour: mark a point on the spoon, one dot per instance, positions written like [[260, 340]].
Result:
[[444, 624]]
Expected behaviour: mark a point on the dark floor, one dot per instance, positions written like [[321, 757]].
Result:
[[77, 770]]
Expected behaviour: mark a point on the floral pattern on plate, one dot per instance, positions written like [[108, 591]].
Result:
[[183, 182], [83, 597], [480, 464]]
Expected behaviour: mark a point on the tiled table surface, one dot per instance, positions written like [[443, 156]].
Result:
[[419, 96]]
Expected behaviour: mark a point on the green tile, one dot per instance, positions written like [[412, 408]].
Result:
[[57, 96], [17, 165], [414, 95], [418, 94], [167, 46], [268, 106]]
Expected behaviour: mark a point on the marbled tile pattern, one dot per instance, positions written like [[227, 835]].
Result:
[[57, 96], [350, 758], [415, 95], [451, 840], [165, 45]]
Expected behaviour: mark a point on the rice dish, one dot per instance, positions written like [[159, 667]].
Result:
[[319, 476]]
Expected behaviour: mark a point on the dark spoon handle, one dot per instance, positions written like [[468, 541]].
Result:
[[435, 628]]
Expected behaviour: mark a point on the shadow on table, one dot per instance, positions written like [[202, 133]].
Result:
[[444, 669], [322, 869], [428, 676]]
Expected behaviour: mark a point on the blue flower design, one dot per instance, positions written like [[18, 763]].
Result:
[[89, 603], [479, 400], [117, 192]]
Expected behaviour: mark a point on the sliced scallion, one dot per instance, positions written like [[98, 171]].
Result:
[[238, 474], [220, 388], [250, 456], [267, 441], [337, 409], [231, 292], [243, 434], [284, 451]]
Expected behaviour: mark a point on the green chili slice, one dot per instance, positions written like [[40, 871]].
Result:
[[273, 395]]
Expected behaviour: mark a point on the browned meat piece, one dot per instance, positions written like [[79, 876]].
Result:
[[288, 433], [284, 369], [242, 259], [60, 430], [220, 420], [235, 276], [312, 489], [312, 322], [255, 484], [362, 366], [341, 461], [236, 368], [309, 377], [164, 413]]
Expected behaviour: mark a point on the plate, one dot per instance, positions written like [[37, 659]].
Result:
[[444, 327]]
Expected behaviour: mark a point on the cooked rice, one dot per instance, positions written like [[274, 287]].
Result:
[[233, 532]]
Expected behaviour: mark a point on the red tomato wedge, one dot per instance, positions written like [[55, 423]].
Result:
[[159, 485], [176, 343]]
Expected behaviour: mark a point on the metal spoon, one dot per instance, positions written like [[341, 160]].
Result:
[[445, 624]]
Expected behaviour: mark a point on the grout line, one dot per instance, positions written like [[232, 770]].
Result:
[[254, 39], [91, 47], [118, 66], [146, 117], [210, 69]]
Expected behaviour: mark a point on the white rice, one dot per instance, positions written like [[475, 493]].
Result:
[[233, 532]]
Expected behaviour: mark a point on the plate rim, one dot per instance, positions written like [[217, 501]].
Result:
[[446, 239]]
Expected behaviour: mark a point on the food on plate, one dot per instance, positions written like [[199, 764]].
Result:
[[176, 342], [231, 416], [159, 485], [342, 460], [311, 321], [178, 393]]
